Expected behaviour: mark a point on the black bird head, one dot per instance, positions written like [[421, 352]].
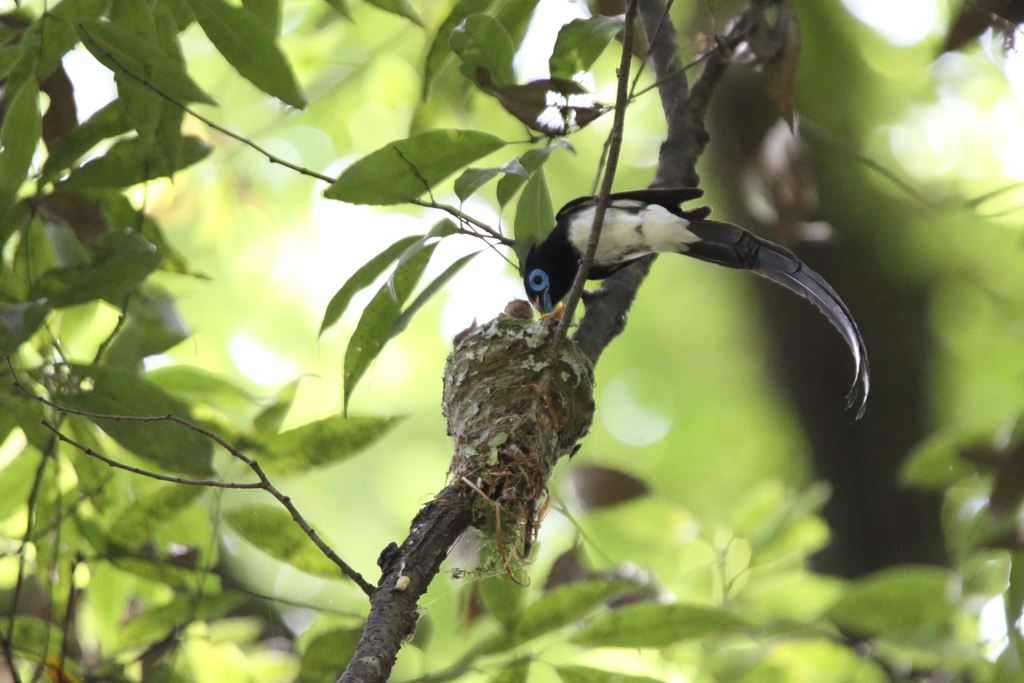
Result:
[[549, 270]]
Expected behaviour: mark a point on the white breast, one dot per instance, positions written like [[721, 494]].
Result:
[[631, 228]]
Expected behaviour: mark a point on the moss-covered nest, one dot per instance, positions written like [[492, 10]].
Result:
[[515, 404]]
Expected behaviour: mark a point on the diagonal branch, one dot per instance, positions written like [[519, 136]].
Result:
[[264, 482]]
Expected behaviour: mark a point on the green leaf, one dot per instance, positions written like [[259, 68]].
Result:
[[156, 507], [121, 51], [653, 625], [583, 674], [9, 56], [32, 637], [171, 260], [531, 161], [154, 326], [535, 217], [361, 279], [269, 420], [110, 391], [378, 317], [405, 169], [440, 50], [907, 603], [272, 530], [268, 12], [22, 128], [199, 386], [515, 671], [566, 604], [342, 7], [580, 43], [58, 31], [250, 47], [28, 414], [108, 122], [515, 16], [323, 442], [155, 624], [163, 571], [143, 107], [1014, 597], [135, 16], [93, 475], [503, 599], [472, 179], [123, 259], [400, 7], [127, 163], [181, 12], [402, 321], [481, 42], [935, 464], [18, 322], [16, 481], [327, 654]]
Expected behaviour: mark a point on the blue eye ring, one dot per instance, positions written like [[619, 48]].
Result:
[[538, 280]]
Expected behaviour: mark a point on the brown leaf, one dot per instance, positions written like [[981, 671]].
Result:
[[1008, 489], [85, 217], [472, 605], [552, 106], [785, 178], [780, 70], [596, 487], [568, 568], [61, 116], [977, 16], [616, 8]]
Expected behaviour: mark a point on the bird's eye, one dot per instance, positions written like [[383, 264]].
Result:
[[538, 280]]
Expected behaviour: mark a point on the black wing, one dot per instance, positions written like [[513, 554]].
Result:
[[670, 198], [732, 246]]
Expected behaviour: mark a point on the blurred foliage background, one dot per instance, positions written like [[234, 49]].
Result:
[[865, 551]]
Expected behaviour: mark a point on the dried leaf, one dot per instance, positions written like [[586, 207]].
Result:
[[597, 487], [780, 70], [61, 116], [552, 106]]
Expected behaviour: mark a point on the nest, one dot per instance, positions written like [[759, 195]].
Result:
[[515, 404]]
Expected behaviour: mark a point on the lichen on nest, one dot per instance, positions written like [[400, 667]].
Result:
[[514, 405]]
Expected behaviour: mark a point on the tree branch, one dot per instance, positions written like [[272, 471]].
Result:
[[685, 140], [264, 484]]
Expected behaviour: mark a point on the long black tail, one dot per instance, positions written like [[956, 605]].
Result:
[[732, 246]]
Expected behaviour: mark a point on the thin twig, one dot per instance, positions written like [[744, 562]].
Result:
[[264, 484], [270, 157], [491, 232], [643, 62], [609, 177], [68, 612], [31, 505], [815, 132], [212, 483], [683, 69], [53, 570], [113, 333]]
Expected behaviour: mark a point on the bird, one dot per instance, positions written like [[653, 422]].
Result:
[[651, 221]]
